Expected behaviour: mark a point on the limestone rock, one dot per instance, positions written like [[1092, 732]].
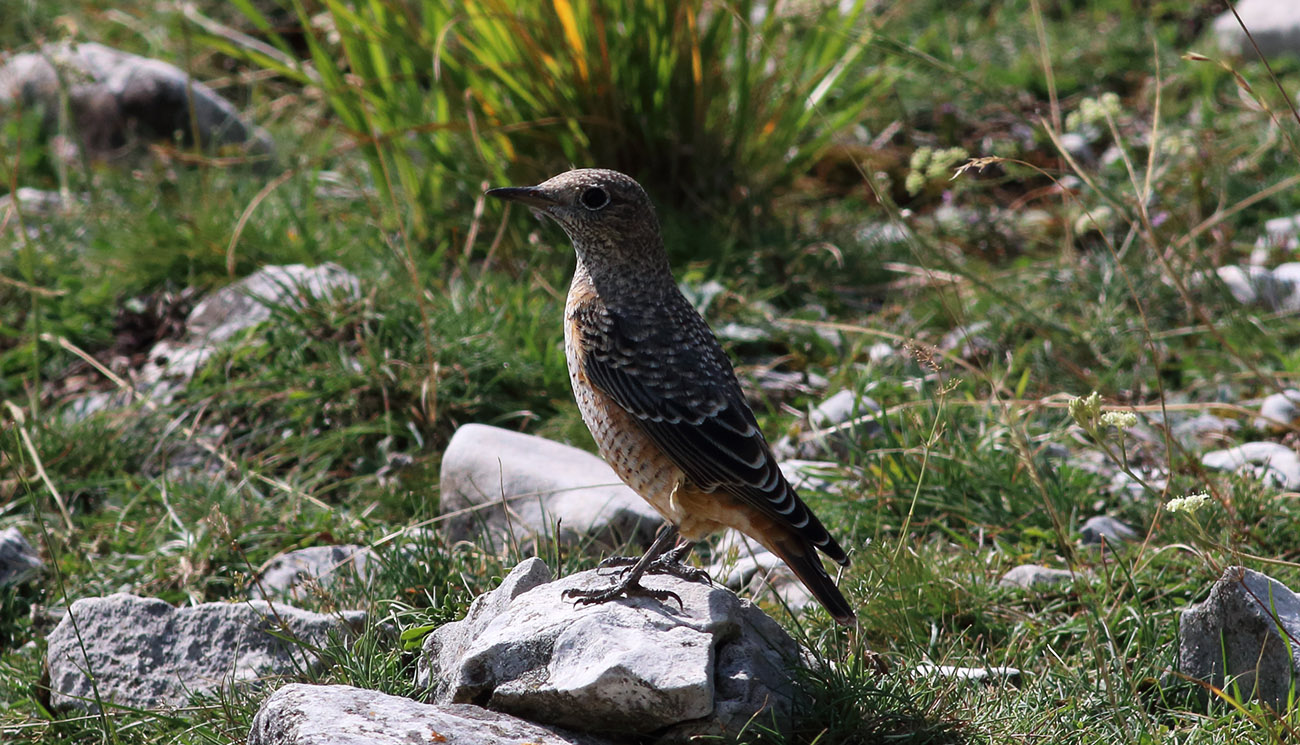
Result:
[[1035, 576], [300, 714], [242, 305], [19, 562], [1204, 429], [832, 427], [1105, 529], [145, 653], [980, 674], [741, 564], [629, 667], [289, 575], [116, 99], [1271, 462], [1274, 25], [508, 487], [1279, 411], [1245, 630]]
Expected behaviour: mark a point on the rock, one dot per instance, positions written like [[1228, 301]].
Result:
[[300, 714], [248, 302], [146, 654], [1204, 430], [630, 667], [289, 575], [985, 674], [1275, 289], [740, 332], [1287, 277], [508, 488], [880, 352], [1105, 528], [968, 341], [38, 202], [1272, 462], [786, 384], [1246, 284], [1035, 576], [1282, 232], [241, 305], [1236, 633], [1274, 25], [19, 562], [1279, 411], [117, 99], [741, 564], [834, 426]]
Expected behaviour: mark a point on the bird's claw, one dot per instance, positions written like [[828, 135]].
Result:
[[594, 597], [662, 565]]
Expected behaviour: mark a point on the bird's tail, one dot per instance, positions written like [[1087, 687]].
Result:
[[803, 559]]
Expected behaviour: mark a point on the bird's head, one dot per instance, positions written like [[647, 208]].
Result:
[[602, 211]]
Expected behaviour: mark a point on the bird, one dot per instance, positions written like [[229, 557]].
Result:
[[661, 397]]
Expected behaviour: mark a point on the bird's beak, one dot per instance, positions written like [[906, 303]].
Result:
[[529, 195]]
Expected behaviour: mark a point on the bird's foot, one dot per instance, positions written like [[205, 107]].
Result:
[[666, 564], [622, 589]]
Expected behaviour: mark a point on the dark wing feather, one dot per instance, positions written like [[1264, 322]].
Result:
[[670, 373]]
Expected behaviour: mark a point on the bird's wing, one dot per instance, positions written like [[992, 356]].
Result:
[[671, 374]]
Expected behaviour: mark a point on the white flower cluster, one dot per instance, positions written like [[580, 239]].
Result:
[[1189, 503]]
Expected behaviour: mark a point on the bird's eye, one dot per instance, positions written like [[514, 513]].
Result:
[[594, 198]]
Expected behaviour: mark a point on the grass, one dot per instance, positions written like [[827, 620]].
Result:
[[1086, 272]]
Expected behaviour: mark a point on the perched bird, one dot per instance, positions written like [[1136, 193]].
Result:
[[660, 396]]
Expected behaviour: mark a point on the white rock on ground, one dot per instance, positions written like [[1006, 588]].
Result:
[[741, 564], [290, 575], [144, 653], [1243, 632], [1278, 411], [630, 667], [826, 427], [19, 562], [1274, 24], [1035, 576], [504, 488], [977, 674], [241, 305], [300, 714], [1104, 528], [116, 97], [1272, 462]]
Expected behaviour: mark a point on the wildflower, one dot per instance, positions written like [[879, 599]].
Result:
[[1189, 503], [1119, 419], [1085, 411]]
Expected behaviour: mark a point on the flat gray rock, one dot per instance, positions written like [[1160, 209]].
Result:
[[144, 653], [19, 562], [291, 575], [629, 667], [1035, 576], [501, 488], [116, 98], [1245, 630], [1271, 462], [1105, 529], [1274, 24], [300, 714]]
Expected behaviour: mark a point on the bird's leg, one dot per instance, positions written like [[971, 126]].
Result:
[[630, 583], [670, 563]]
